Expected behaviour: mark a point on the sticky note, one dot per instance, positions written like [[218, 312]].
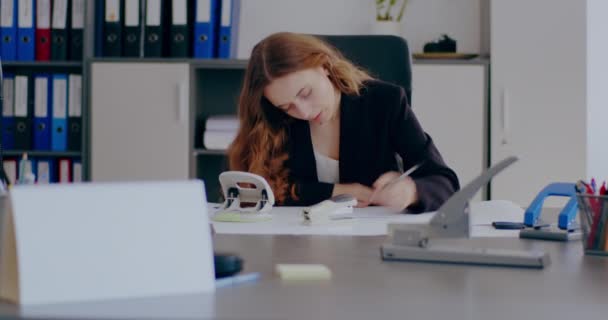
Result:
[[231, 216], [303, 272]]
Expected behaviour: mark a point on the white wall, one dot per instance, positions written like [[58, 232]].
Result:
[[424, 20], [597, 95]]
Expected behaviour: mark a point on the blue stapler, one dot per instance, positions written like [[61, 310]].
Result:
[[566, 229]]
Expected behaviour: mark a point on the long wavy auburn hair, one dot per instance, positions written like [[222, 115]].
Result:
[[260, 146]]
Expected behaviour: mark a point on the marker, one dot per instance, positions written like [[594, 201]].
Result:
[[234, 280]]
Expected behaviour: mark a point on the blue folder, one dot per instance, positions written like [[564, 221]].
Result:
[[8, 34], [42, 112], [205, 26], [59, 106], [26, 32]]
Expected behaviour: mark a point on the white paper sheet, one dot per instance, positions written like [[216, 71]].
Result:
[[372, 221]]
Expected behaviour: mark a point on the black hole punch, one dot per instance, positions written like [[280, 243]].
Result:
[[112, 38], [60, 130], [153, 37], [75, 127], [6, 39], [26, 39], [203, 38], [131, 38], [41, 126], [179, 38], [21, 127]]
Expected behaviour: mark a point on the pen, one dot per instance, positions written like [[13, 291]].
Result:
[[229, 281], [399, 178]]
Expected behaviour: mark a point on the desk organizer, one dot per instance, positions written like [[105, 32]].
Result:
[[594, 223]]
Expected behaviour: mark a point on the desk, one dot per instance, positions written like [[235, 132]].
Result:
[[364, 287]]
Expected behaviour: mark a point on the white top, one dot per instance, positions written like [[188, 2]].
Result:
[[328, 169]]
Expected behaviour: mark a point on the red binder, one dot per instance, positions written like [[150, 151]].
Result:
[[43, 30]]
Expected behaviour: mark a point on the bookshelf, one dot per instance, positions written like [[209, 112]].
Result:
[[51, 67]]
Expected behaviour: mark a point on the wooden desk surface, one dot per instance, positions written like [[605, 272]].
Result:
[[364, 287]]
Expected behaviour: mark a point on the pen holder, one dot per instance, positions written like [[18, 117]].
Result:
[[594, 223]]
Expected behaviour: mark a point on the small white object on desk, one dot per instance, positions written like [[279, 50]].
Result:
[[336, 208]]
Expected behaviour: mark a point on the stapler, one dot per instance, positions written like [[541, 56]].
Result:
[[567, 229], [335, 208], [249, 198], [432, 242]]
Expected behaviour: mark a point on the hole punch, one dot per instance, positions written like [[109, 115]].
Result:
[[249, 198]]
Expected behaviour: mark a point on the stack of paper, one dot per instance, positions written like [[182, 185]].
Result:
[[220, 131], [373, 221]]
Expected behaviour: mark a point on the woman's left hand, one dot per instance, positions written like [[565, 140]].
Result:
[[396, 195]]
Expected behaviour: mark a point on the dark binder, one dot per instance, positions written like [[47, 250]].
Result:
[[74, 112], [112, 28], [24, 111], [132, 28], [154, 29], [180, 29], [59, 30], [76, 30]]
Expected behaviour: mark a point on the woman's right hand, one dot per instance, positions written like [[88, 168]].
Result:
[[360, 192]]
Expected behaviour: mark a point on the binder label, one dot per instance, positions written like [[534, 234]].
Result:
[[59, 98], [75, 99], [131, 13], [180, 9], [60, 9], [8, 92], [64, 171], [21, 96], [203, 11], [153, 13], [26, 16], [41, 93], [112, 10], [44, 176], [6, 12], [78, 14], [226, 12], [43, 14], [76, 172]]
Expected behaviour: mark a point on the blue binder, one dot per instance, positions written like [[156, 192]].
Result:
[[26, 30], [205, 26], [228, 30], [8, 113], [42, 112], [59, 106], [8, 34]]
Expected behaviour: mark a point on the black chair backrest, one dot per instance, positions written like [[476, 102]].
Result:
[[385, 57]]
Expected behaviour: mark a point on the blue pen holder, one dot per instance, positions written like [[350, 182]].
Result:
[[594, 223]]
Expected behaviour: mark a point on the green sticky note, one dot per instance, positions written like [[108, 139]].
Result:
[[234, 216]]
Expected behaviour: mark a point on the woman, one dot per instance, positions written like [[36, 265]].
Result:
[[316, 126]]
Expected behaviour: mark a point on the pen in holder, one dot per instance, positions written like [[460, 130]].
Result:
[[594, 222]]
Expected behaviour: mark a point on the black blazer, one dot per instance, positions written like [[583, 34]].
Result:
[[374, 126]]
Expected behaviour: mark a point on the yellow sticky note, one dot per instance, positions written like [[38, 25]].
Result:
[[303, 272]]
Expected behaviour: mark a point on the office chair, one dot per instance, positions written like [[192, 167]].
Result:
[[385, 57]]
